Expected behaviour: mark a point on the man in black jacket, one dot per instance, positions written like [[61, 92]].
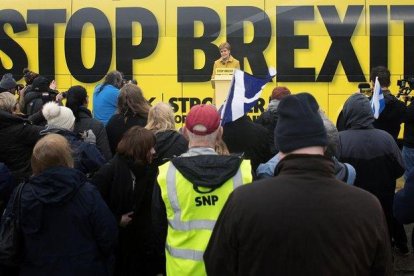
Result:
[[391, 118], [303, 221]]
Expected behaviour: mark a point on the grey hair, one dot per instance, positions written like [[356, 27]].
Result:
[[209, 139], [332, 134], [7, 102]]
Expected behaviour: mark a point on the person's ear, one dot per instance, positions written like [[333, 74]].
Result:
[[185, 133]]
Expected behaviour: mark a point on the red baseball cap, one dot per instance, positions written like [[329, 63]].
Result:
[[204, 115]]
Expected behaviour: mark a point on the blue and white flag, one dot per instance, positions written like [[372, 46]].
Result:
[[244, 92], [377, 101]]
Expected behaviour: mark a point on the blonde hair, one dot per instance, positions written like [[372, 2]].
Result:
[[221, 147], [160, 118], [51, 151], [225, 45], [7, 102]]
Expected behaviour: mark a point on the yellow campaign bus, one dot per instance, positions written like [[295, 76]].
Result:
[[169, 46]]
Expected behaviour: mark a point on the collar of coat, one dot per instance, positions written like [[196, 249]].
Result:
[[229, 60], [315, 164]]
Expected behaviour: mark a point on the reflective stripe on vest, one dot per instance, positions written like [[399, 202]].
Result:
[[195, 255], [176, 223]]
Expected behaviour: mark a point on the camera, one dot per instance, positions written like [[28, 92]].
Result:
[[405, 87], [19, 86], [365, 89]]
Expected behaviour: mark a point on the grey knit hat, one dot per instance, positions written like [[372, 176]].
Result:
[[7, 82]]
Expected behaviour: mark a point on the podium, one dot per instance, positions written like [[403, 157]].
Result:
[[221, 84]]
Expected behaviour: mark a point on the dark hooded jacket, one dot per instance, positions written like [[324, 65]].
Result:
[[67, 227], [38, 95], [372, 152], [86, 122], [169, 143], [17, 139]]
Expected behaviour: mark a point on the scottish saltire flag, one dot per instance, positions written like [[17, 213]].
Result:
[[244, 92], [377, 100]]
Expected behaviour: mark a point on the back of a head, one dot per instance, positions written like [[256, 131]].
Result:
[[7, 82], [203, 119], [136, 144], [40, 84], [383, 74], [75, 98], [131, 101], [299, 125], [53, 150], [202, 126], [357, 112], [29, 76], [7, 102], [160, 118], [114, 78], [280, 92], [58, 116]]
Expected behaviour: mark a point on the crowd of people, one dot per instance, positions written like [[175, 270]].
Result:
[[120, 191]]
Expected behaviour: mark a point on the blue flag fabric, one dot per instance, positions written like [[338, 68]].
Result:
[[377, 100], [244, 92]]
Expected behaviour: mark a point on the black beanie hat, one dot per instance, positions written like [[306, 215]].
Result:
[[300, 124]]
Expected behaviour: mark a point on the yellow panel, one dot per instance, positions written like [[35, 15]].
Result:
[[163, 61]]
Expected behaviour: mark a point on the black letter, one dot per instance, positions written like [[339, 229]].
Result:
[[126, 52], [378, 36], [214, 199], [253, 51], [73, 47], [287, 42], [11, 47], [46, 20], [341, 49], [405, 13], [187, 43], [198, 201]]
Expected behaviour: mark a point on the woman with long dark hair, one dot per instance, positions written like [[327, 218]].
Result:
[[77, 100], [132, 110], [126, 184]]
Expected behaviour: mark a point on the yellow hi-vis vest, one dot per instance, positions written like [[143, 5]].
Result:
[[192, 216]]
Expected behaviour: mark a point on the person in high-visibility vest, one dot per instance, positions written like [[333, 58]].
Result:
[[194, 188]]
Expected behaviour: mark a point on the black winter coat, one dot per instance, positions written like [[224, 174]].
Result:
[[123, 195], [118, 125], [244, 136], [392, 116], [86, 122], [17, 139], [169, 143], [268, 119]]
